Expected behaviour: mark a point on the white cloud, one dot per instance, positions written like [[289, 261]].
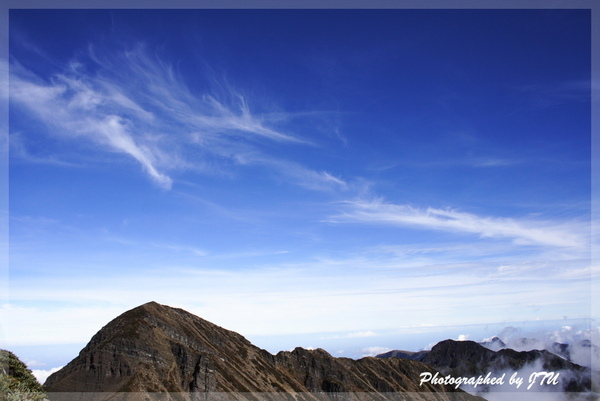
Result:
[[373, 351], [61, 325], [118, 136], [305, 177], [491, 162], [74, 108], [575, 336], [362, 334], [283, 300], [34, 363], [41, 375], [357, 334], [178, 248], [587, 272], [545, 95], [139, 106], [521, 231]]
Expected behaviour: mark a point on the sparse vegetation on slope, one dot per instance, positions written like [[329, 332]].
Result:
[[17, 383]]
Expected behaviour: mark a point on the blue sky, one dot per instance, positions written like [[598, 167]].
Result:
[[333, 178]]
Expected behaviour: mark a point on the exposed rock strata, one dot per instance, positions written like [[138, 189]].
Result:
[[158, 349]]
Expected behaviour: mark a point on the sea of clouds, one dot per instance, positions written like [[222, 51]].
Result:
[[581, 343], [582, 350]]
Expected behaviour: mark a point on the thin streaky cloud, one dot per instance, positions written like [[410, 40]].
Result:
[[492, 162], [153, 117], [358, 334], [4, 71], [179, 248], [554, 93], [275, 289], [521, 231], [477, 162], [311, 179], [117, 135], [74, 108], [19, 150], [159, 86], [289, 170]]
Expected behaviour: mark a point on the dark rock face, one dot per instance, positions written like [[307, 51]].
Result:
[[468, 358], [158, 349], [415, 356]]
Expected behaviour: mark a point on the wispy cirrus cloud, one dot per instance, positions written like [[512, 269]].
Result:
[[366, 294], [19, 150], [305, 177], [73, 106], [521, 231], [357, 334], [135, 104], [552, 94]]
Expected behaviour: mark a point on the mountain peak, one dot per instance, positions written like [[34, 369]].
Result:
[[157, 348], [151, 306]]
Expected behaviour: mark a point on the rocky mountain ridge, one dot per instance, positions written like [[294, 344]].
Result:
[[468, 358], [580, 352], [158, 349]]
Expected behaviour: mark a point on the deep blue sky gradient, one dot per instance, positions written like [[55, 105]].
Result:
[[397, 166]]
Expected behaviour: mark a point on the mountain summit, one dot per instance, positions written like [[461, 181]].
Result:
[[159, 349]]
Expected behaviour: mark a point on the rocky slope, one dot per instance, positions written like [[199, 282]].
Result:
[[158, 349]]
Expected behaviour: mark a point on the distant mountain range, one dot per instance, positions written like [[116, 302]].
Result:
[[159, 349], [581, 352], [468, 358]]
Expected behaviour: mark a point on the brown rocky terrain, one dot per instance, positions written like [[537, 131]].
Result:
[[156, 349]]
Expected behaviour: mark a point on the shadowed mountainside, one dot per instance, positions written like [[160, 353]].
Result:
[[468, 358]]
